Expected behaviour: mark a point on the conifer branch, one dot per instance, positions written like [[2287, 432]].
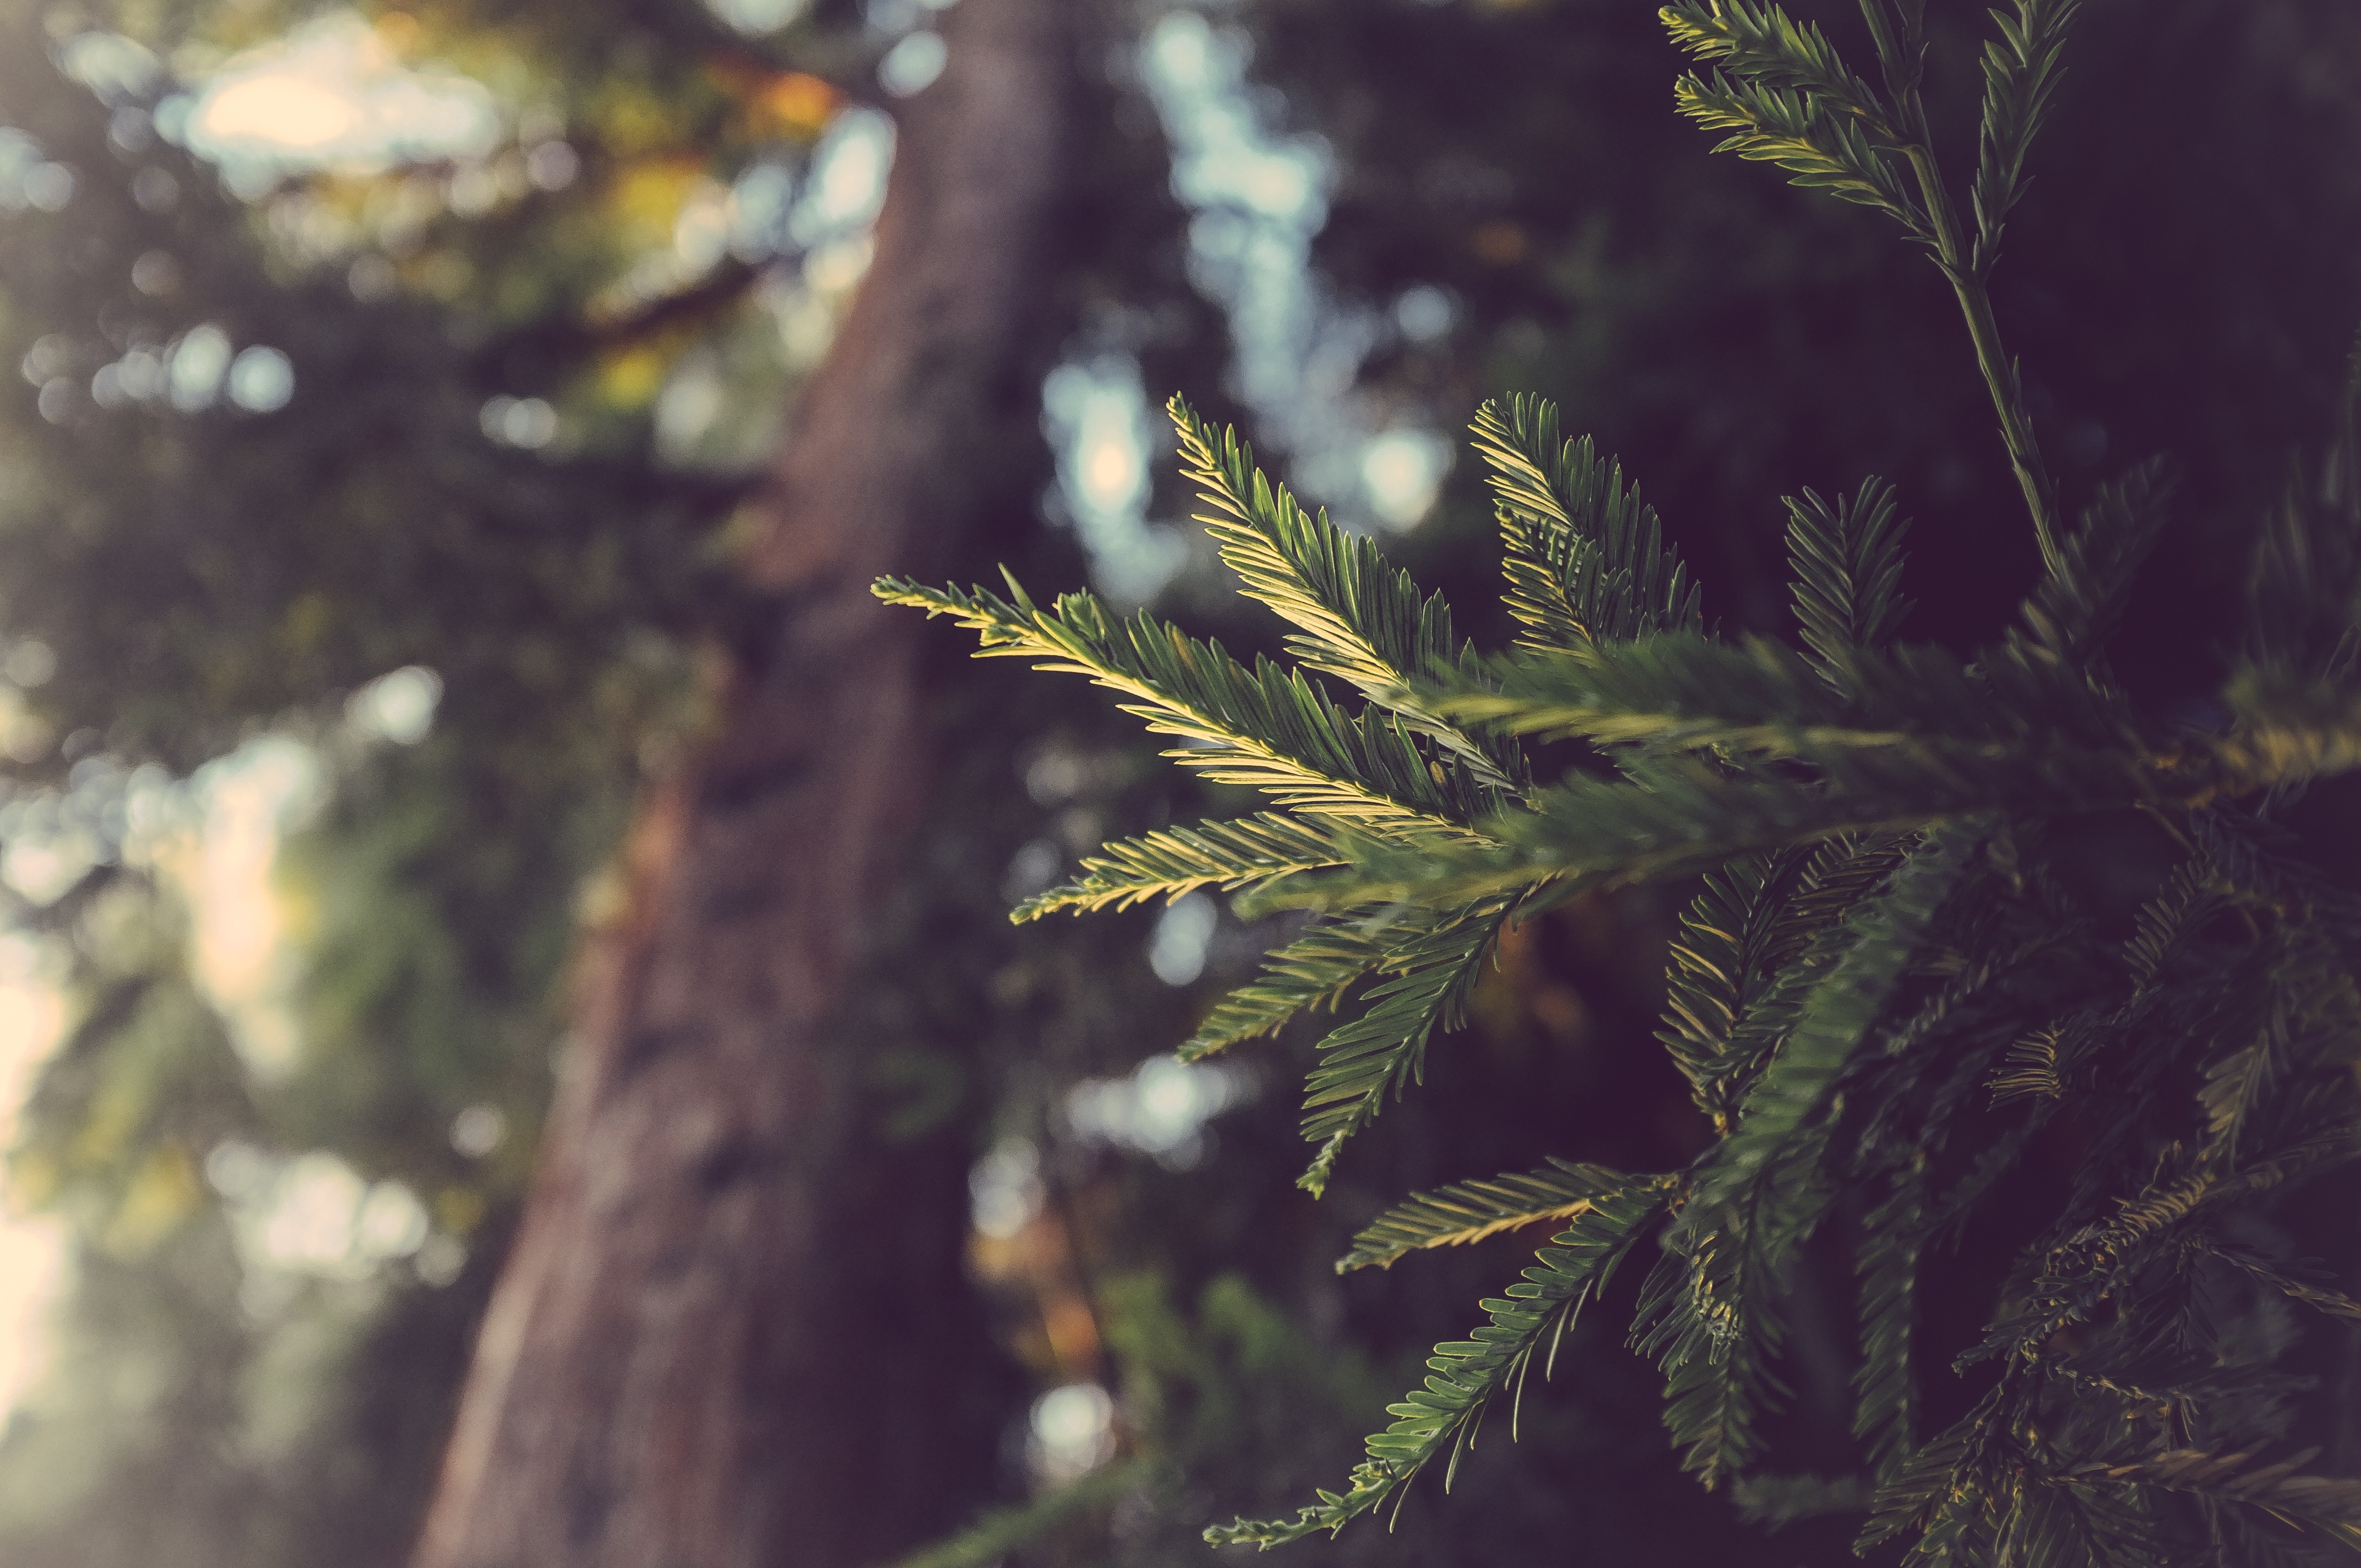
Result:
[[2021, 72], [2238, 1087], [2332, 1504], [1709, 1314], [1781, 1134], [2032, 1070], [1718, 970], [1267, 728], [1363, 621], [1677, 816], [1440, 1418], [1242, 852], [1847, 560], [1678, 692], [1763, 43], [1385, 1048], [1885, 1416], [1818, 150], [1772, 121], [2320, 1297], [2000, 372], [1900, 37], [1314, 973], [1891, 914], [1712, 1320], [1585, 556], [2082, 592], [1931, 1489], [1468, 1211]]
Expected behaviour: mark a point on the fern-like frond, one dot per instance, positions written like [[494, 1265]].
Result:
[[1898, 28], [1267, 728], [1681, 692], [2238, 1086], [1914, 871], [1848, 562], [1882, 935], [2052, 1524], [1468, 1211], [2190, 895], [1585, 556], [1241, 852], [1717, 968], [1762, 43], [2033, 1069], [2021, 72], [1807, 938], [1363, 1060], [1936, 1479], [2082, 591], [1710, 1311], [2330, 1504], [2320, 1297], [1529, 1319], [1884, 1418], [2081, 1271], [1709, 1314], [1819, 150], [1312, 973], [1677, 817], [1362, 620], [1680, 814]]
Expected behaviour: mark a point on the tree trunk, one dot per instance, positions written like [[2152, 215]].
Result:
[[732, 1321]]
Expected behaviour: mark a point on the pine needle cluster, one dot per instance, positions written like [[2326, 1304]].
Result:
[[1888, 993]]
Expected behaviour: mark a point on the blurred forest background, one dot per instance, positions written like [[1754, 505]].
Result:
[[425, 419]]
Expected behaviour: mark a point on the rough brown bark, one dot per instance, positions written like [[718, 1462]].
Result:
[[717, 1339]]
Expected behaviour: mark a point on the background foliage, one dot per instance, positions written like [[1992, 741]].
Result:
[[1514, 207]]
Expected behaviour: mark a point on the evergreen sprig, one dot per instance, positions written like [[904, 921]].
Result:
[[2021, 72], [1894, 983], [1314, 972], [1847, 560], [1585, 556], [1268, 728], [1468, 1211], [1384, 1050], [1818, 150], [1363, 621], [1530, 1319], [1248, 850]]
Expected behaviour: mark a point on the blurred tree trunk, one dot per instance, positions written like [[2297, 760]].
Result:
[[732, 1328]]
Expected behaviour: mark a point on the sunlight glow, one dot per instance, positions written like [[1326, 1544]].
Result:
[[1258, 194], [911, 65], [758, 16], [241, 959], [289, 110], [313, 1214], [1160, 1109], [1404, 471], [847, 183], [1073, 1431], [261, 380], [1004, 1189], [398, 707], [1096, 414], [1177, 951], [32, 1247], [333, 94]]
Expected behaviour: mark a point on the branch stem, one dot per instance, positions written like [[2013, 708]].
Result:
[[1983, 331]]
